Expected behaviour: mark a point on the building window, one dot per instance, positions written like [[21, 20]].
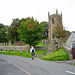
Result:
[[52, 36], [52, 20], [59, 21]]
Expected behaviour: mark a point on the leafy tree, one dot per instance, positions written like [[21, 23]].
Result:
[[45, 27], [30, 31], [3, 33], [13, 34], [59, 32]]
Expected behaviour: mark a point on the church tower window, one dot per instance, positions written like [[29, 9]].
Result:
[[52, 20]]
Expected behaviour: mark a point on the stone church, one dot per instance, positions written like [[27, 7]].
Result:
[[53, 20]]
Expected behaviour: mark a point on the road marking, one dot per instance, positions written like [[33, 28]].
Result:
[[18, 67], [70, 72]]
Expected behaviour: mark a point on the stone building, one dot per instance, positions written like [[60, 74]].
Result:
[[53, 20], [71, 40]]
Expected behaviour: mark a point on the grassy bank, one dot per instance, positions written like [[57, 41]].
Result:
[[59, 55], [41, 44], [24, 53], [74, 64]]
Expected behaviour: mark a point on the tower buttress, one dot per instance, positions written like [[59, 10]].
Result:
[[61, 14], [48, 14], [56, 11], [49, 29]]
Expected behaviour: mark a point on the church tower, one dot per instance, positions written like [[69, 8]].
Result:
[[53, 20]]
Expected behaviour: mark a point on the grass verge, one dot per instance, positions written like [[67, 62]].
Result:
[[59, 55], [24, 53], [41, 44], [74, 64], [64, 43]]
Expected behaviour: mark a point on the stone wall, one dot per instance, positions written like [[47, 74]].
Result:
[[40, 47], [69, 51], [19, 43], [21, 48], [52, 47], [2, 44], [15, 48]]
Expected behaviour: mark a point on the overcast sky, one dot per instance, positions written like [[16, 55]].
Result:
[[10, 9]]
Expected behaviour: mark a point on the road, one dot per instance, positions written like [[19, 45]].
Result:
[[15, 65]]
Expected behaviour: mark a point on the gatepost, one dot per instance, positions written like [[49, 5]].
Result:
[[9, 46]]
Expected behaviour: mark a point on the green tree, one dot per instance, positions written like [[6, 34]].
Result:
[[13, 28], [3, 33], [45, 31], [30, 31], [59, 32]]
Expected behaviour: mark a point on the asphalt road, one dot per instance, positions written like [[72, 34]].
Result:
[[15, 65]]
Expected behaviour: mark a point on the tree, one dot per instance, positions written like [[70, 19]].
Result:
[[59, 32], [3, 33], [45, 31], [13, 34], [30, 31]]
